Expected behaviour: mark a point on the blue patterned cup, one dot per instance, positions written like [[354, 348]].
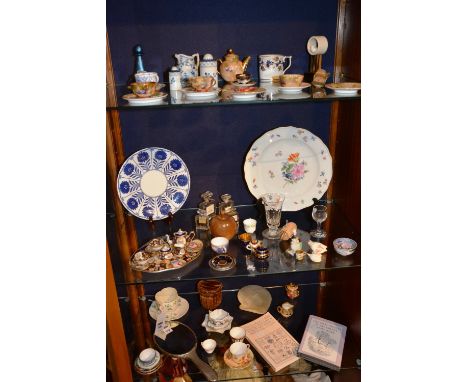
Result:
[[146, 77]]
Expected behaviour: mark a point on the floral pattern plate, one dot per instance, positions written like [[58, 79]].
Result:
[[292, 161], [153, 182]]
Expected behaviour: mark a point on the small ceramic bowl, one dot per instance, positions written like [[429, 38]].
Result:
[[219, 244], [245, 237], [344, 246], [143, 89], [209, 345], [146, 77], [148, 356], [291, 80]]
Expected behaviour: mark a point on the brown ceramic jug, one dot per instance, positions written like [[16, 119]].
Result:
[[223, 225]]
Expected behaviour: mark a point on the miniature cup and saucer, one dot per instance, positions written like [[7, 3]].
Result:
[[169, 302], [218, 321], [238, 356]]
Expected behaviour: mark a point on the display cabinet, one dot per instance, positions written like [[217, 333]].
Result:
[[213, 139]]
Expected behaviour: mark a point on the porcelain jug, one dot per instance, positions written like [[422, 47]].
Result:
[[271, 66], [188, 66], [232, 65]]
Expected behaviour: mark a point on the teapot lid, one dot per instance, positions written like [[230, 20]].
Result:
[[230, 53], [208, 57]]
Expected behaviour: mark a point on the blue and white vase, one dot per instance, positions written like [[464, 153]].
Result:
[[209, 67]]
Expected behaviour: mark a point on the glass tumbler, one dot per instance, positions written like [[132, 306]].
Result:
[[273, 204]]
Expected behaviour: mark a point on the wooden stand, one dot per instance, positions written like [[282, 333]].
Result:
[[314, 65]]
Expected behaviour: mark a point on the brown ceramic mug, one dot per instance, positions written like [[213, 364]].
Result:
[[210, 293]]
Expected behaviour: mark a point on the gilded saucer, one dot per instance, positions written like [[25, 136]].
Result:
[[245, 362]]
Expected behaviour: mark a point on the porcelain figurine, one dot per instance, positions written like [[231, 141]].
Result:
[[209, 67], [188, 66], [296, 244], [232, 66]]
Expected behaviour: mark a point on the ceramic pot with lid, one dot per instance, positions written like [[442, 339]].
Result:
[[223, 225]]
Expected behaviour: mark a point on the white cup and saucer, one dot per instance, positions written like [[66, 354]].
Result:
[[167, 301]]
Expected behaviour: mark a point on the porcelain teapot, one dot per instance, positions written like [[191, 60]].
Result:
[[231, 66]]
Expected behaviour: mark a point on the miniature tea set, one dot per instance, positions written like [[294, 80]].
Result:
[[198, 79], [165, 253]]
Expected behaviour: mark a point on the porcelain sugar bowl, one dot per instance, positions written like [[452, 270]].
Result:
[[232, 66]]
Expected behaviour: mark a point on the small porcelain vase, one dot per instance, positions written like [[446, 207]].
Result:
[[209, 67]]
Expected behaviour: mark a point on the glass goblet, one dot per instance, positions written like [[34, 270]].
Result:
[[319, 214], [273, 204]]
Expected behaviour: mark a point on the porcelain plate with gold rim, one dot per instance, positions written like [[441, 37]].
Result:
[[293, 89], [345, 88], [292, 161], [153, 182], [133, 100]]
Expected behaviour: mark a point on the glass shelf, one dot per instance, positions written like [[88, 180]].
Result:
[[247, 265], [295, 325], [178, 99]]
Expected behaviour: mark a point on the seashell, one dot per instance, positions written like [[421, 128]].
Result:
[[288, 231], [317, 247], [254, 298]]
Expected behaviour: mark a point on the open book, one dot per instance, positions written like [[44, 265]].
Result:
[[272, 341]]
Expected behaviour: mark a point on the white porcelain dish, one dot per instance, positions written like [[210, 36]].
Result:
[[133, 100], [344, 88], [292, 161], [192, 94], [293, 89]]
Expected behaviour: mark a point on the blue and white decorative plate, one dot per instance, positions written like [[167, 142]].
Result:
[[153, 182]]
